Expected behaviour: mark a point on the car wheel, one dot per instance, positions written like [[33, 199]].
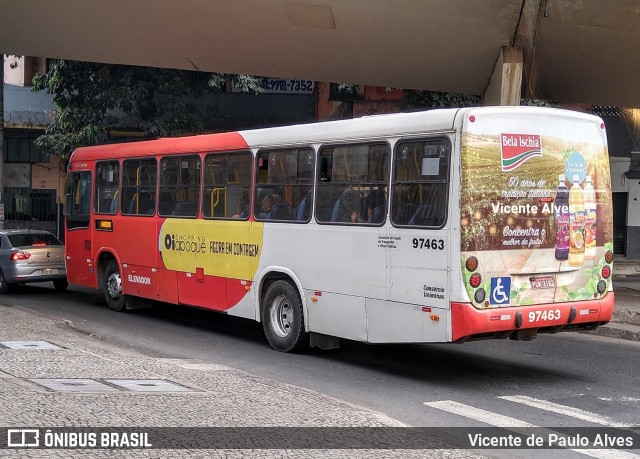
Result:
[[5, 287], [112, 287], [60, 284], [282, 318]]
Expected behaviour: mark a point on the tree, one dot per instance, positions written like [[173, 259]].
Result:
[[93, 98], [415, 100]]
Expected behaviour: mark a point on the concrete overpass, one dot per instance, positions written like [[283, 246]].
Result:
[[563, 50]]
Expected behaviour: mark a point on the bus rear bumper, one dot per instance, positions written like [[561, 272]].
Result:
[[525, 322]]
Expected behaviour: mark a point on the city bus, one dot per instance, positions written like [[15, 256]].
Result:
[[439, 226]]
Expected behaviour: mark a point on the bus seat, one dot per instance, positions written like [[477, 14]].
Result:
[[426, 215], [113, 205], [304, 209], [404, 215], [348, 202], [165, 208], [145, 203], [186, 209], [377, 216], [245, 212], [335, 214], [279, 212]]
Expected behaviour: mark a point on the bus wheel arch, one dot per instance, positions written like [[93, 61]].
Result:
[[282, 313]]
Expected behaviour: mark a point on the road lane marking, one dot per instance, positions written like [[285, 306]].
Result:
[[477, 414], [565, 410], [515, 425]]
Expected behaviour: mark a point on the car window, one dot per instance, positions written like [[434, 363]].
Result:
[[33, 239]]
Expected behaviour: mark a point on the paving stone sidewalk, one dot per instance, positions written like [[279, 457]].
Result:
[[88, 383]]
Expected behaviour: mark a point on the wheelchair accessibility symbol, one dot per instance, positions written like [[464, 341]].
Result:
[[500, 289]]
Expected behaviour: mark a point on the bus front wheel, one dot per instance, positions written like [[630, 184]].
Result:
[[112, 286], [282, 318]]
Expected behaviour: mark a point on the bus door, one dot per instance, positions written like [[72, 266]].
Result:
[[135, 231], [77, 210], [418, 246]]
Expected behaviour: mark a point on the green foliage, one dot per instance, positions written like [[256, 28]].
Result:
[[416, 100], [93, 98]]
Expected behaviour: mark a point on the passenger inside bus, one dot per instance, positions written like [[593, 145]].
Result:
[[272, 208], [244, 207]]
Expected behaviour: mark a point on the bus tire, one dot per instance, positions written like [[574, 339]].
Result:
[[282, 317], [112, 287]]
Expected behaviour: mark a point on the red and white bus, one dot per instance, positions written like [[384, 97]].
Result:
[[439, 226]]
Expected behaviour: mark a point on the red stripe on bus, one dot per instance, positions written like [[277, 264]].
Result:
[[467, 321], [229, 141]]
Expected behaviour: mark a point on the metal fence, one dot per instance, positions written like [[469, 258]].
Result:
[[28, 208]]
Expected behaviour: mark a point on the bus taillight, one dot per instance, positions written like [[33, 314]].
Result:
[[471, 264], [475, 280], [606, 272], [602, 287], [608, 257]]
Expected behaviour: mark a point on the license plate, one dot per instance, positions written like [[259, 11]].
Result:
[[543, 282], [49, 271]]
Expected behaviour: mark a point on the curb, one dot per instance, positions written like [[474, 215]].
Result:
[[617, 330]]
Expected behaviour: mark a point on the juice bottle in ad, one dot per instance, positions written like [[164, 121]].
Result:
[[562, 219], [590, 220], [576, 224]]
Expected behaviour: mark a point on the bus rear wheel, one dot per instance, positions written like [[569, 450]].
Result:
[[282, 318], [112, 287]]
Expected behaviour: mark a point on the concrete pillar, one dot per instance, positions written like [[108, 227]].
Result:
[[506, 81]]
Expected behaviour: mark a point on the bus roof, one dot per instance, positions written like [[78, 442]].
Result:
[[376, 125], [387, 125]]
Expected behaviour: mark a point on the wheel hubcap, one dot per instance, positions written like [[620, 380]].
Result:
[[281, 315], [114, 285]]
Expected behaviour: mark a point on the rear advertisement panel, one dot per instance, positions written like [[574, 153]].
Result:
[[535, 208]]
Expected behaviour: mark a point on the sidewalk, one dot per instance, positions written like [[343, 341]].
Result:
[[53, 376]]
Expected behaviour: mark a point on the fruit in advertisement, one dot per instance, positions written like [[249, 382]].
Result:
[[576, 223], [562, 219]]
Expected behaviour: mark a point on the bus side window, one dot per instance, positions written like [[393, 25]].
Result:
[[138, 195], [227, 185], [420, 183], [106, 187], [284, 185], [352, 184], [179, 186]]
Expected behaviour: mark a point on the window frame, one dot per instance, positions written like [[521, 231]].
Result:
[[204, 185], [77, 223], [297, 185], [167, 189], [116, 197], [139, 188], [446, 181], [384, 184]]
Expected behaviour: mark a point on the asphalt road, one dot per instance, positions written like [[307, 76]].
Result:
[[559, 380]]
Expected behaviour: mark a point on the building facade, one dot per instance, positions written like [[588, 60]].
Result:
[[33, 183]]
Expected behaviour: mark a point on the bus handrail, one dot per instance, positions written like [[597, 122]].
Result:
[[217, 192]]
